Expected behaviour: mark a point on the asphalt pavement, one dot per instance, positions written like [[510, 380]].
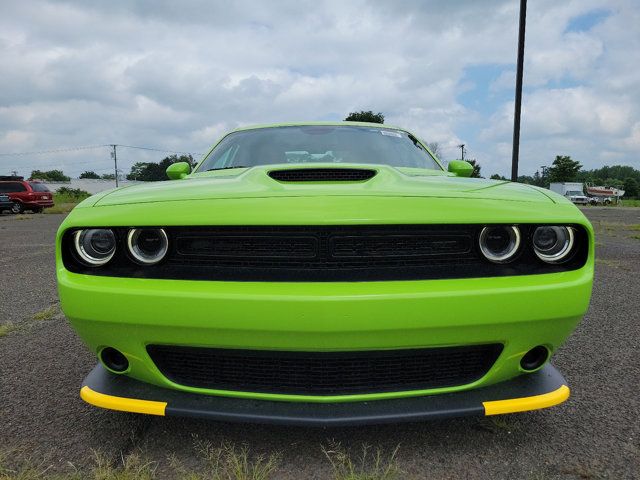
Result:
[[596, 434]]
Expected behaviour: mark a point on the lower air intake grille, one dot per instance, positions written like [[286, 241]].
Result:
[[324, 373], [322, 175]]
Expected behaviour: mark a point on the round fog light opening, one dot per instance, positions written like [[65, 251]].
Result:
[[499, 244], [95, 246], [553, 244], [147, 245], [534, 358], [114, 360]]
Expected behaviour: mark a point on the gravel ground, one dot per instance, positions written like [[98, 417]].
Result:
[[596, 434]]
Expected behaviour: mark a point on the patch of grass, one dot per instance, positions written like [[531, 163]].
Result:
[[227, 462], [66, 199], [5, 329], [22, 216], [46, 314], [130, 467], [61, 208], [367, 465], [630, 202], [637, 237]]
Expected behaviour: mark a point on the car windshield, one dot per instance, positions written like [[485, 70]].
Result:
[[38, 187], [319, 144]]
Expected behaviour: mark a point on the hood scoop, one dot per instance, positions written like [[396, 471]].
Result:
[[322, 174]]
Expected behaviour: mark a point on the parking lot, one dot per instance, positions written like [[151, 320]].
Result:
[[596, 434]]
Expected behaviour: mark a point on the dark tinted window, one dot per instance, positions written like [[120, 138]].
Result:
[[12, 187], [38, 187], [310, 144]]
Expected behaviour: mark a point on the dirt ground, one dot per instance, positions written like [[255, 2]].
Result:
[[596, 434]]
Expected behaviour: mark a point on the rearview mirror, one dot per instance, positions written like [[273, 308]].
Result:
[[460, 168], [178, 170]]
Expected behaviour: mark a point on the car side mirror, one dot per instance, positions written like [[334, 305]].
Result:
[[178, 170], [460, 168]]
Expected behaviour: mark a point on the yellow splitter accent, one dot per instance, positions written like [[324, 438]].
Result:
[[536, 402], [121, 403], [495, 407]]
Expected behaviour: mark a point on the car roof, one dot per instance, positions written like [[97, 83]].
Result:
[[330, 124]]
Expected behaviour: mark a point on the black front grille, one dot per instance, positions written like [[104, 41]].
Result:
[[324, 373], [324, 253], [322, 175]]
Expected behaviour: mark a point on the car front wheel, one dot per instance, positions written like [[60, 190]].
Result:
[[17, 208]]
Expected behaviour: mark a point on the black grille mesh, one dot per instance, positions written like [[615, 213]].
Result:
[[324, 373], [322, 175]]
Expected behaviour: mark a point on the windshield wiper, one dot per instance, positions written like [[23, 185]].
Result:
[[415, 142], [226, 168]]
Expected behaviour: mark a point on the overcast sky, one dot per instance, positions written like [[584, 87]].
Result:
[[175, 75]]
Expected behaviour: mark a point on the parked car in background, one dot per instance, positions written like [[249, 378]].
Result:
[[572, 190], [24, 195], [5, 203], [600, 200]]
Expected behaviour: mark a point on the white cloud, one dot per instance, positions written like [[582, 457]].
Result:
[[175, 75]]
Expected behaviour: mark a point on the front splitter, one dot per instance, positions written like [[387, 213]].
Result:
[[533, 391]]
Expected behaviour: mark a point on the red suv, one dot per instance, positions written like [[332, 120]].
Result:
[[24, 195]]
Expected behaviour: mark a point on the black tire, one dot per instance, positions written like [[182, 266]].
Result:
[[17, 208]]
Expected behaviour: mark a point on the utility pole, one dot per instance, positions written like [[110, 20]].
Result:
[[462, 149], [516, 115], [115, 162]]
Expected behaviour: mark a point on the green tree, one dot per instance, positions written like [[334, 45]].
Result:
[[614, 182], [363, 116], [476, 168], [89, 174], [564, 169], [108, 176], [50, 176], [495, 176], [153, 172], [631, 187]]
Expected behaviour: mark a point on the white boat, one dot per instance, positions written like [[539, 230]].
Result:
[[600, 191]]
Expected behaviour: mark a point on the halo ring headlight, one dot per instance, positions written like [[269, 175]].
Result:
[[553, 244], [147, 246], [95, 246], [500, 243]]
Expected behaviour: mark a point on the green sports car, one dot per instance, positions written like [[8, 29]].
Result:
[[324, 274]]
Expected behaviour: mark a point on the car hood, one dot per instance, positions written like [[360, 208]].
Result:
[[255, 182]]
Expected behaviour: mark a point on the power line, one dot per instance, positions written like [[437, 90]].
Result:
[[88, 147], [56, 150], [158, 149]]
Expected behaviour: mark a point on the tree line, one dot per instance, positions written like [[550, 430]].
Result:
[[563, 168]]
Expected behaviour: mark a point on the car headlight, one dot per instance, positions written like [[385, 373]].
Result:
[[147, 245], [95, 246], [499, 244], [553, 244]]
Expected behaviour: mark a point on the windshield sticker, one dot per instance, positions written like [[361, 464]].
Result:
[[390, 133]]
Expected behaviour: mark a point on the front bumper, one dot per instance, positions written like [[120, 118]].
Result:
[[38, 204], [518, 312], [542, 389]]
